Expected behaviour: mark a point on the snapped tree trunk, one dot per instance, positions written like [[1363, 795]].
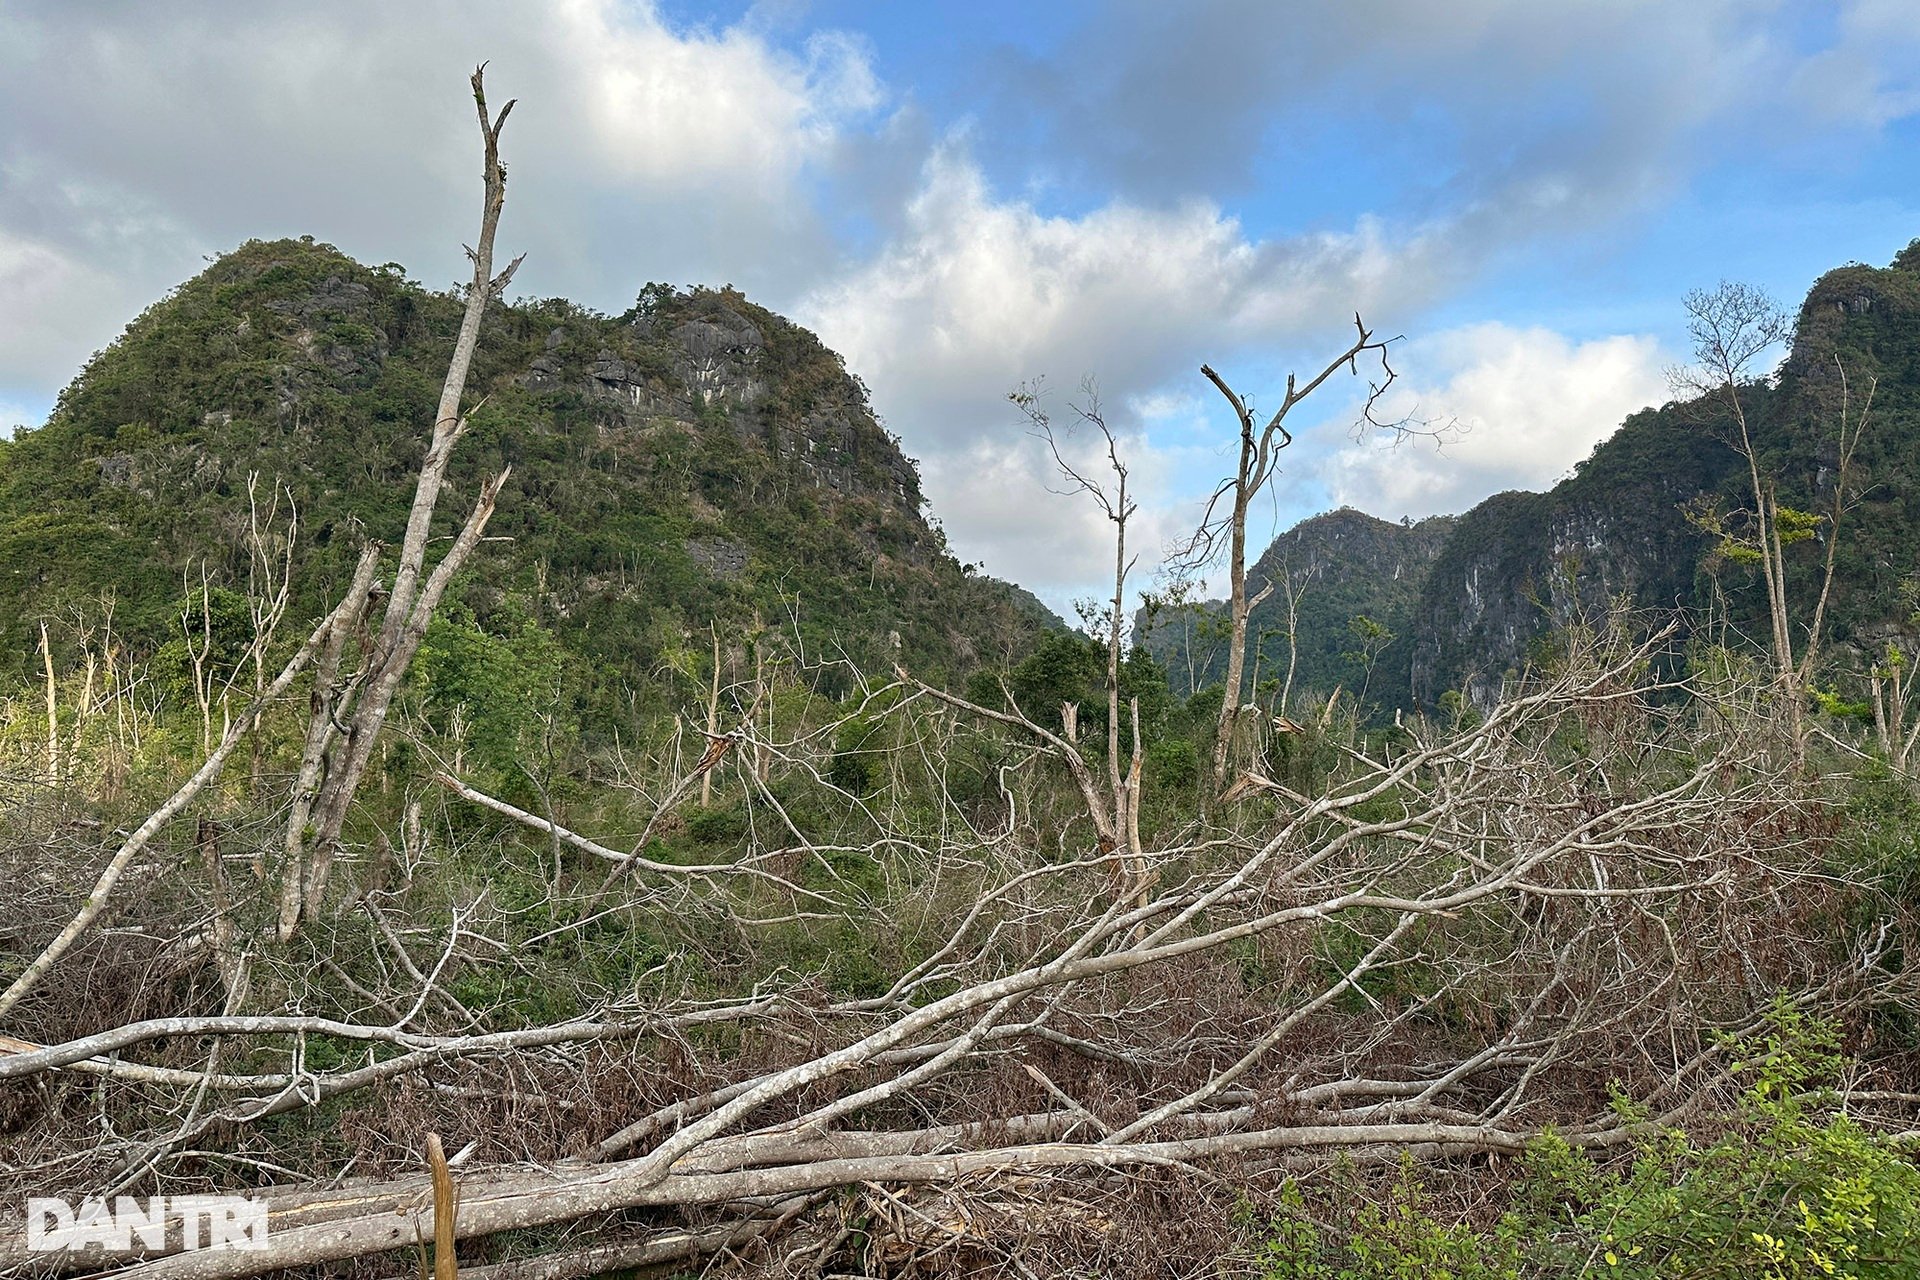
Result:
[[314, 832]]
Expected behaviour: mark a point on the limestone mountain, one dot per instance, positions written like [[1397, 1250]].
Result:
[[695, 460], [1467, 601], [1618, 529], [1326, 573]]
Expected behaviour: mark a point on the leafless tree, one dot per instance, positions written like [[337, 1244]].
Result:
[[1891, 682], [348, 713], [1225, 517], [1617, 905], [1122, 829]]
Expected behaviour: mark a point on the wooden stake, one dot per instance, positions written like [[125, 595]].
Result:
[[445, 1203], [53, 710]]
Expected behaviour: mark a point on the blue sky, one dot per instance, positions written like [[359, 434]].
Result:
[[962, 198]]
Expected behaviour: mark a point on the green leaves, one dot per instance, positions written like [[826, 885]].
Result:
[[494, 690], [1789, 1190]]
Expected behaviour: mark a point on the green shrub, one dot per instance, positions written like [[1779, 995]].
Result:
[[1399, 1239], [724, 824], [1785, 1193], [1788, 1191]]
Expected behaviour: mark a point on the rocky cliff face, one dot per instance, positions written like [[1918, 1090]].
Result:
[[1520, 564], [709, 356], [698, 460], [1338, 567], [1488, 587]]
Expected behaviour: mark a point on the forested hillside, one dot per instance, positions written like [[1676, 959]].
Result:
[[1340, 615], [1618, 526], [695, 466], [1625, 527]]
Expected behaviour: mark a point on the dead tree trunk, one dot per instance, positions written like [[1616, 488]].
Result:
[[345, 746], [1260, 447]]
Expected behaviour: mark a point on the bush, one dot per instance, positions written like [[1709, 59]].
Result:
[[1397, 1240], [1785, 1193]]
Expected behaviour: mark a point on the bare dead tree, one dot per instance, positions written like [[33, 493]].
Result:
[[1619, 905], [348, 715], [53, 706], [1850, 425], [270, 564], [1890, 681], [1122, 830], [1732, 327], [1294, 589], [1225, 516]]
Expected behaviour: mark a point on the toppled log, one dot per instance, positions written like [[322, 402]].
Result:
[[306, 1227]]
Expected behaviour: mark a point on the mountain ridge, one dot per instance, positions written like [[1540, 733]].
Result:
[[695, 461], [1519, 563]]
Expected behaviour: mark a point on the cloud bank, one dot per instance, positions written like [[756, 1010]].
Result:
[[1527, 404]]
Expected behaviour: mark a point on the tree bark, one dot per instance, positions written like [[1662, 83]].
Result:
[[410, 604]]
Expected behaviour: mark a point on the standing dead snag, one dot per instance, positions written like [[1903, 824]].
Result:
[[136, 843], [1616, 908], [446, 1202], [53, 709], [1260, 447], [1119, 828], [347, 718]]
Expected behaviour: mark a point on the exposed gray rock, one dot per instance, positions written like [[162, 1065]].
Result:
[[334, 298], [721, 557], [610, 369], [721, 354], [117, 469]]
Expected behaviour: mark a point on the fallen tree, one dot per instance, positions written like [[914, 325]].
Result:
[[1615, 902]]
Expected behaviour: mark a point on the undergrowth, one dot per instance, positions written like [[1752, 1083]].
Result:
[[1791, 1187]]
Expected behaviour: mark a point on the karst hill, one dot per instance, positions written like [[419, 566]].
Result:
[[695, 461], [1469, 600]]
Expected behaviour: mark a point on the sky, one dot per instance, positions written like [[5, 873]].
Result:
[[1091, 198]]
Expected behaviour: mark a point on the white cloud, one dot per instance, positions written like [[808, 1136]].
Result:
[[1023, 517], [699, 108], [1530, 405], [138, 138], [37, 281], [978, 295], [1867, 76]]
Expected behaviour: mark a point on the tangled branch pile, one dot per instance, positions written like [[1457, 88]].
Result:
[[1450, 944]]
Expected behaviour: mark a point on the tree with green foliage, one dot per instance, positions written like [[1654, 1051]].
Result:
[[1733, 327], [1371, 637]]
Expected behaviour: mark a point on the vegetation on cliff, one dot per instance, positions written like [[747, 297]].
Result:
[[697, 463]]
